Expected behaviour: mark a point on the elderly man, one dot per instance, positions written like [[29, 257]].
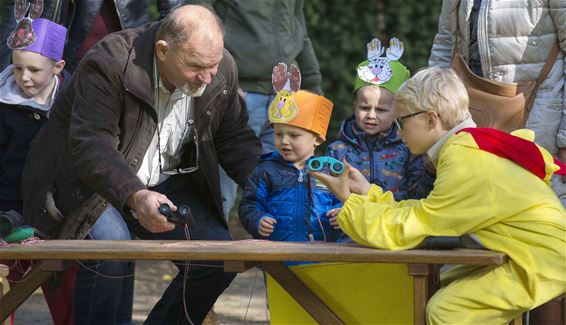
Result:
[[149, 115]]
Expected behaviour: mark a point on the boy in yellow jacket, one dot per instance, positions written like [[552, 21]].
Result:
[[491, 187]]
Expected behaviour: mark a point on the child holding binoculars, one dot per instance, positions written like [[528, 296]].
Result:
[[281, 201]]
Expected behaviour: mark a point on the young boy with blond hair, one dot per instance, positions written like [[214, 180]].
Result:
[[492, 187], [281, 201]]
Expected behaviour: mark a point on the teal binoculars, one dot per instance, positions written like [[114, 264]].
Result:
[[334, 165]]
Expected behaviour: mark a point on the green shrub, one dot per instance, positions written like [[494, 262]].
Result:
[[340, 29]]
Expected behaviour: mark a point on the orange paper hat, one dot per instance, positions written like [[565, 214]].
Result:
[[298, 107]]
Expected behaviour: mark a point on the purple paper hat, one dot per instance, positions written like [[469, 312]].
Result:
[[49, 38]]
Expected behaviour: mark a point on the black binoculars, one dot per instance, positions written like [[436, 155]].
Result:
[[182, 216], [442, 242]]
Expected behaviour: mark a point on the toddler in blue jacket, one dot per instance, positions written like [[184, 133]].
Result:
[[281, 201], [368, 139]]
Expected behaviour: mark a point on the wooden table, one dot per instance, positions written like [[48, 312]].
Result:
[[239, 256]]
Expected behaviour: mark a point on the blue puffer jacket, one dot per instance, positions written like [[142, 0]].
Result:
[[387, 162], [296, 200]]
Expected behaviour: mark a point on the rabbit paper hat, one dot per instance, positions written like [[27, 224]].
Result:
[[35, 34], [298, 107], [387, 71]]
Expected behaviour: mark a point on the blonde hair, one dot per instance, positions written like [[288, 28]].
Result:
[[435, 89]]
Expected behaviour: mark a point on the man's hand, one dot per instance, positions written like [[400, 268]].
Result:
[[333, 215], [266, 226], [144, 205]]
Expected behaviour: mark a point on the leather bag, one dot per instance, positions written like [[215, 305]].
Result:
[[495, 104], [499, 105]]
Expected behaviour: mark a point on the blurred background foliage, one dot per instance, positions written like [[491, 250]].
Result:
[[340, 29]]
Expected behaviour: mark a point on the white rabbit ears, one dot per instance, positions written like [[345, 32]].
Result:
[[393, 53], [384, 71], [377, 70]]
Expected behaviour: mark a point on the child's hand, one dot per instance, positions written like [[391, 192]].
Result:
[[349, 181], [266, 226], [358, 183], [338, 185], [333, 215]]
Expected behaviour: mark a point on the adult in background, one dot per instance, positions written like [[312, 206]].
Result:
[[150, 114], [273, 32], [509, 41], [88, 21]]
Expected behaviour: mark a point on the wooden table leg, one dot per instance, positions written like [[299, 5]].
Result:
[[563, 309], [4, 285], [517, 320], [301, 293], [22, 290], [425, 284]]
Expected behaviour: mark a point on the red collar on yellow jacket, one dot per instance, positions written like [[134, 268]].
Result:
[[523, 152]]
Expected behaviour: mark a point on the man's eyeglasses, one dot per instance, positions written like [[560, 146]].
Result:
[[186, 153], [399, 120]]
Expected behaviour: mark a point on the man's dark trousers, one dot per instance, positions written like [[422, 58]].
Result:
[[205, 280]]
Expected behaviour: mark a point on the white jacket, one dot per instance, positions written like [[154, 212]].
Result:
[[515, 38]]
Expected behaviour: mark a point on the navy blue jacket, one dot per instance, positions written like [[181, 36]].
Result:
[[386, 161], [296, 200], [19, 124], [18, 127]]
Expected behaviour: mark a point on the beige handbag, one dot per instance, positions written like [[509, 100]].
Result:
[[499, 105]]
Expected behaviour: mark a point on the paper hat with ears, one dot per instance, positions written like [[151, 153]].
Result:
[[35, 34], [298, 107], [386, 72]]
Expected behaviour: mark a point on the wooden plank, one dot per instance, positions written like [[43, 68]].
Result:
[[22, 290], [301, 293], [245, 250]]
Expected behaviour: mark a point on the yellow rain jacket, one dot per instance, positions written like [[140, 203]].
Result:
[[503, 206]]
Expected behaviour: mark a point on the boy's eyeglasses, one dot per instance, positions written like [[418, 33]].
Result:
[[399, 120], [181, 170], [23, 35]]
